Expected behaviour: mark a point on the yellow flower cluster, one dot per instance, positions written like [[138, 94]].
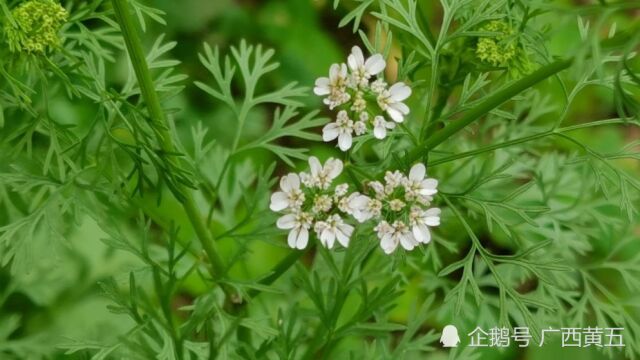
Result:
[[37, 23], [500, 49]]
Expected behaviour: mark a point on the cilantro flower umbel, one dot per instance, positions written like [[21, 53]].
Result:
[[497, 50], [401, 208], [309, 202], [37, 23], [504, 49], [363, 103]]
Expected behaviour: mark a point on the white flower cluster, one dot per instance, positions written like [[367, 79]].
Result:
[[362, 102], [310, 203], [400, 206]]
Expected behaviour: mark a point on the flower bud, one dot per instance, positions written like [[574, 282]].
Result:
[[37, 23]]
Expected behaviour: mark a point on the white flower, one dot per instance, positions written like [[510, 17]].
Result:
[[331, 229], [399, 234], [322, 176], [373, 208], [345, 204], [365, 208], [380, 126], [391, 101], [378, 188], [384, 231], [359, 128], [393, 235], [378, 86], [290, 197], [361, 69], [359, 103], [417, 186], [393, 180], [396, 205], [341, 129], [299, 223], [355, 206], [420, 222], [341, 190], [334, 86], [306, 179], [322, 203]]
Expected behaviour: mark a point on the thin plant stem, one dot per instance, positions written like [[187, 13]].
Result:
[[159, 121], [489, 104]]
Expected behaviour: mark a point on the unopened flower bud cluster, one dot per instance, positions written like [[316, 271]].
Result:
[[399, 206], [35, 27], [363, 103]]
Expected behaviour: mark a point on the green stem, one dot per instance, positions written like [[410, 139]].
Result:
[[489, 104], [431, 124], [159, 121]]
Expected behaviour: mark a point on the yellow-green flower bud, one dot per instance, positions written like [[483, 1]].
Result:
[[500, 49], [37, 23]]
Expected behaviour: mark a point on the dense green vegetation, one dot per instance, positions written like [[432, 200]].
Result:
[[142, 142]]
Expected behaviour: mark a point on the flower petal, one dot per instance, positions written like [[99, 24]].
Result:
[[344, 141], [431, 217], [422, 234], [286, 222], [417, 172], [346, 229], [375, 64], [388, 244], [279, 201], [343, 234], [395, 115], [429, 186], [328, 238], [322, 86], [400, 107], [334, 167], [330, 132], [334, 72], [361, 215], [355, 59], [359, 202], [433, 212], [289, 182], [302, 239], [407, 241], [380, 132], [292, 238], [315, 166], [399, 91], [343, 71]]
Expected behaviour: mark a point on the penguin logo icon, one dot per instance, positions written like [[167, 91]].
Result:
[[450, 336]]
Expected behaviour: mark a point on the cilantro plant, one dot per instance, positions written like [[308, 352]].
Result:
[[458, 162]]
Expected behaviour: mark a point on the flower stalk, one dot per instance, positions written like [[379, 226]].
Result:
[[491, 103], [159, 121]]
